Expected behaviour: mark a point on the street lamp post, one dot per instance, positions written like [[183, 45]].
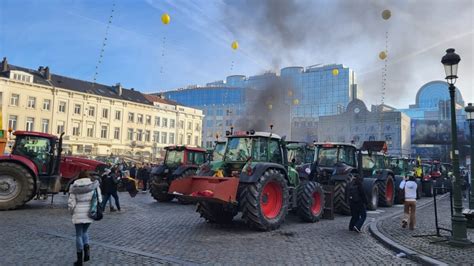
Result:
[[470, 120], [458, 221]]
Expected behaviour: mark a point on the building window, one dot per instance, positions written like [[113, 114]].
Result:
[[46, 104], [147, 135], [198, 127], [60, 128], [148, 119], [62, 107], [15, 99], [165, 122], [105, 113], [77, 109], [140, 119], [188, 140], [157, 121], [91, 111], [190, 125], [131, 117], [130, 134], [30, 124], [139, 135], [164, 137], [31, 102], [156, 136], [181, 124], [171, 139], [45, 125], [103, 131], [90, 130], [76, 129], [196, 140], [12, 120], [181, 139], [172, 123], [117, 133], [118, 115]]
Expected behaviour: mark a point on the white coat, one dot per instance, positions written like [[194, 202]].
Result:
[[80, 196]]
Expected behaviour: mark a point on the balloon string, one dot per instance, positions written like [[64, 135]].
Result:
[[384, 84], [162, 53], [104, 43]]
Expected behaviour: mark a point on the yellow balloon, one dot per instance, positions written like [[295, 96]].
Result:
[[296, 102], [386, 14], [165, 18], [335, 72], [382, 55], [235, 45]]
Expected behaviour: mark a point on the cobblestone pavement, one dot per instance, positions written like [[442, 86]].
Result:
[[425, 225], [147, 232]]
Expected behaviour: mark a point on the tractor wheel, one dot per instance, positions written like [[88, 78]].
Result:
[[399, 193], [265, 203], [215, 212], [310, 197], [386, 191], [159, 190], [341, 201], [187, 173], [16, 186], [372, 196], [428, 189]]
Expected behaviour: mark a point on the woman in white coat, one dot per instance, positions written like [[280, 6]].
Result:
[[79, 204]]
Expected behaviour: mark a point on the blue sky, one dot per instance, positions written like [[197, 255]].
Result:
[[194, 48]]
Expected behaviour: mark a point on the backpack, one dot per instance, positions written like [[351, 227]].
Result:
[[354, 195]]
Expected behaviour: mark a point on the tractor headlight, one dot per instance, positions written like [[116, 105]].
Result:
[[307, 170]]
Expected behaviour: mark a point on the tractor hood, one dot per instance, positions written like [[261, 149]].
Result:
[[71, 166]]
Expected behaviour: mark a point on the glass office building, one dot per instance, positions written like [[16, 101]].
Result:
[[296, 94], [431, 122]]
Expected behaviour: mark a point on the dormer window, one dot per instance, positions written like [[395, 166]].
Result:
[[21, 76]]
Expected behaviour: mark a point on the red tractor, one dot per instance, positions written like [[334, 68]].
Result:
[[36, 167]]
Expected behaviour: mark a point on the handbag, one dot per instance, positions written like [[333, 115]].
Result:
[[96, 213]]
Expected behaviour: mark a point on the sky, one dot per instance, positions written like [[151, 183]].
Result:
[[195, 47]]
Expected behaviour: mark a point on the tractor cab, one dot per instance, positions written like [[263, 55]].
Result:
[[218, 152], [332, 159], [399, 166], [42, 149], [299, 153], [181, 155]]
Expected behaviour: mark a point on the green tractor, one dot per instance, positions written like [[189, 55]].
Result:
[[402, 168], [254, 178]]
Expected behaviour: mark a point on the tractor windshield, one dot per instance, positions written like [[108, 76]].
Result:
[[373, 162], [327, 156], [398, 166], [238, 149], [174, 157], [296, 154], [37, 149], [219, 151]]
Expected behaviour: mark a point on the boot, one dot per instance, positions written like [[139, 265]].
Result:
[[87, 253], [79, 259]]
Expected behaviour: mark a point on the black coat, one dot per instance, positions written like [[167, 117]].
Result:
[[356, 193], [109, 184]]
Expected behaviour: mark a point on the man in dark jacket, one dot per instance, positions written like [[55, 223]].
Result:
[[110, 183], [358, 203]]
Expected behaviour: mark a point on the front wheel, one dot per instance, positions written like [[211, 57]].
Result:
[[159, 190], [341, 202], [16, 186], [386, 191], [265, 203], [310, 199], [215, 212]]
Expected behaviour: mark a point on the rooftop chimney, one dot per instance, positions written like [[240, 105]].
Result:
[[47, 74], [4, 65], [118, 89]]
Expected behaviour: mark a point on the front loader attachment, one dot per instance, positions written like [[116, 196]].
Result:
[[206, 188]]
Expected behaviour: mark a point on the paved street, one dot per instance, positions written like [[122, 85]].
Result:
[[426, 226], [148, 232]]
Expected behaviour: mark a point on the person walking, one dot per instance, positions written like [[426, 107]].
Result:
[[110, 184], [79, 204], [409, 186], [357, 203]]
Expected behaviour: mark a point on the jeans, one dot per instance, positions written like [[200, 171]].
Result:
[[82, 238], [410, 214], [107, 197], [359, 214]]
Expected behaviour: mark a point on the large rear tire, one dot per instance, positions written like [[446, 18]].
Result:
[[264, 203], [310, 201], [372, 196], [16, 186], [215, 212], [386, 189], [427, 188], [341, 201], [159, 190]]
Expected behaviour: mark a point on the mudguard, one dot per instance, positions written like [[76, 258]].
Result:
[[367, 184], [258, 171], [383, 174], [301, 169], [158, 170]]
